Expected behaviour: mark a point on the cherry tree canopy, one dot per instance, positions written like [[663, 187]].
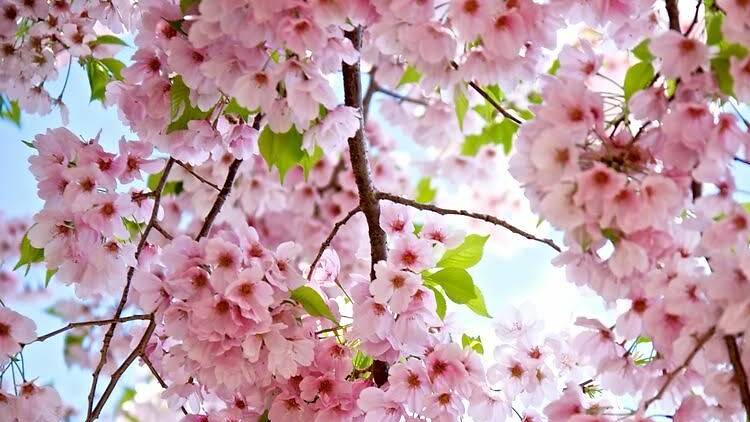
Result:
[[266, 248]]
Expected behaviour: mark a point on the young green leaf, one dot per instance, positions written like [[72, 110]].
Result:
[[312, 302], [410, 76], [309, 161], [461, 105], [637, 78], [48, 276], [425, 192], [442, 306], [478, 305], [465, 255], [107, 40], [361, 361], [281, 150], [457, 283], [28, 254], [642, 52], [474, 343]]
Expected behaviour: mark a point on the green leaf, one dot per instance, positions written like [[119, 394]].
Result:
[[746, 206], [611, 234], [478, 305], [48, 276], [180, 109], [554, 68], [186, 5], [134, 228], [127, 395], [637, 77], [425, 192], [534, 97], [29, 144], [495, 92], [361, 361], [457, 283], [11, 111], [442, 306], [312, 302], [720, 70], [410, 76], [100, 72], [28, 254], [642, 340], [465, 255], [309, 161], [713, 27], [107, 40], [495, 133], [282, 150], [474, 343], [642, 52], [462, 105], [728, 50]]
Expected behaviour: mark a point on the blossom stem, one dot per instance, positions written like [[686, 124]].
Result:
[[158, 377], [400, 97], [477, 216]]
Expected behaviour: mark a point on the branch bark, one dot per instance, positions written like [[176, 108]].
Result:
[[190, 170], [220, 199], [368, 202], [124, 296], [673, 13], [740, 375], [477, 216]]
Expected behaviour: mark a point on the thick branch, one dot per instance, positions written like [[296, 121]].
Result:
[[368, 203], [740, 376], [73, 325], [700, 342], [124, 296], [190, 170], [329, 239], [477, 216], [121, 370], [673, 13]]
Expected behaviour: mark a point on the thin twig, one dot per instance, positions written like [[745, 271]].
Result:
[[190, 170], [740, 376], [162, 231], [220, 198], [329, 239], [159, 379], [695, 18], [477, 216], [73, 325], [124, 296], [121, 370], [400, 97], [491, 100], [700, 342], [741, 160]]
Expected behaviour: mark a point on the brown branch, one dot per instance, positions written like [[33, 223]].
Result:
[[73, 325], [372, 86], [329, 239], [673, 13], [740, 375], [190, 170], [162, 231], [124, 296], [495, 104], [400, 97], [695, 18], [700, 342], [121, 370], [368, 202], [159, 379], [477, 216]]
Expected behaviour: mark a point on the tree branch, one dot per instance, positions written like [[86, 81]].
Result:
[[158, 377], [162, 231], [73, 325], [121, 370], [695, 18], [700, 342], [477, 216], [740, 376], [673, 13], [495, 104], [190, 170], [400, 97], [327, 242], [124, 296], [368, 203]]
